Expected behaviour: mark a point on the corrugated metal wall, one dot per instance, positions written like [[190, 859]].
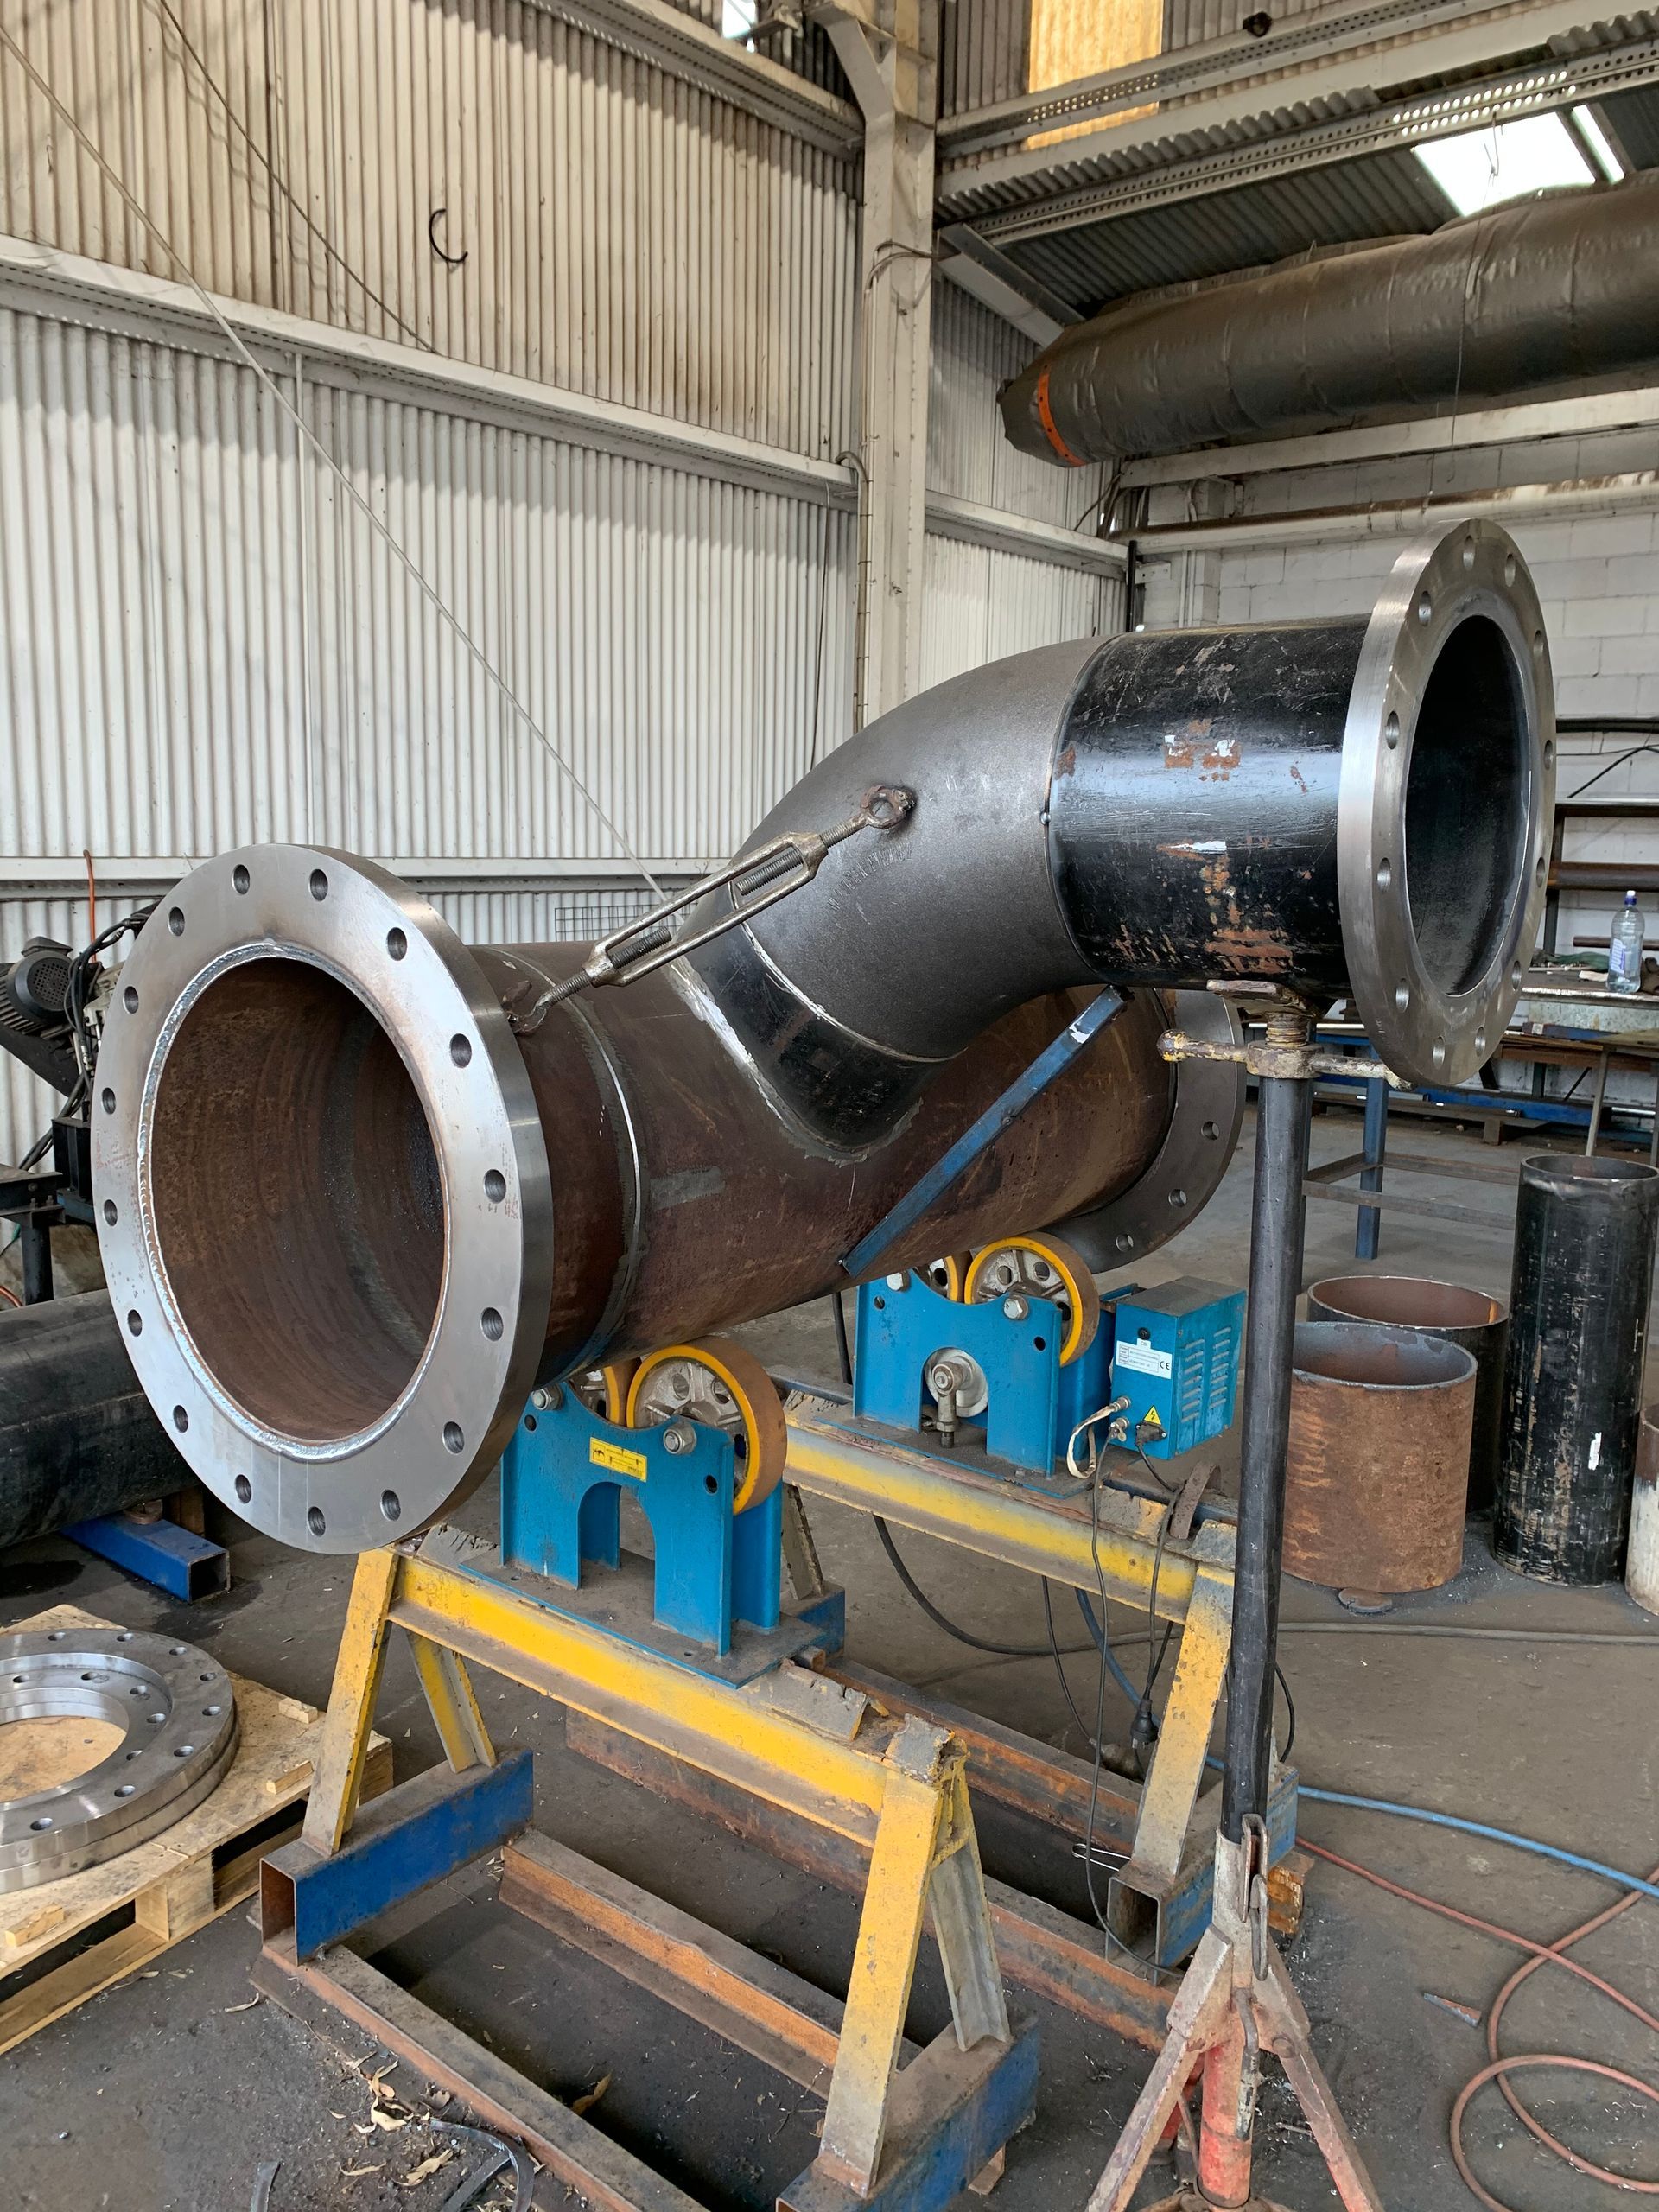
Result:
[[982, 604], [983, 46], [206, 642], [625, 234], [974, 353]]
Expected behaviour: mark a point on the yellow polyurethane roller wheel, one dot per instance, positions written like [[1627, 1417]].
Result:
[[949, 1275], [719, 1384], [1040, 1266]]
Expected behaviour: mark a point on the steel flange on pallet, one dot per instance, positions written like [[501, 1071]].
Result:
[[176, 1713]]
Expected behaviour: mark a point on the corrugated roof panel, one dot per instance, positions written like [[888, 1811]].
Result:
[[961, 200], [1381, 195], [1635, 117]]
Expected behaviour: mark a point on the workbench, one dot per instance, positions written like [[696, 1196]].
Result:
[[1555, 1025]]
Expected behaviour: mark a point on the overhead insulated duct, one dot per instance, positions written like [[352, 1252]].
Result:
[[360, 1188], [1524, 296]]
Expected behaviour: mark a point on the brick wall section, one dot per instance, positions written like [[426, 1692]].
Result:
[[1598, 582]]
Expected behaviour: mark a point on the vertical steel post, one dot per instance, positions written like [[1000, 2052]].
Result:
[[889, 50], [35, 1254], [1368, 1230], [1277, 1212]]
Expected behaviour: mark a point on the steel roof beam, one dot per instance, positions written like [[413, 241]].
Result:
[[1233, 60], [1003, 196]]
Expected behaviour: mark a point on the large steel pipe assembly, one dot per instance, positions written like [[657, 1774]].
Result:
[[361, 1187]]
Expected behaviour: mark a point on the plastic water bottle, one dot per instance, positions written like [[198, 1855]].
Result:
[[1624, 955]]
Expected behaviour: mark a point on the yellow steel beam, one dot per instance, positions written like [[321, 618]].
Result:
[[738, 1734], [336, 1773], [1002, 1521]]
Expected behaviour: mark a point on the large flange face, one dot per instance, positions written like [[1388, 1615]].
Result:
[[1434, 1015], [176, 1713], [1206, 1110], [391, 1475]]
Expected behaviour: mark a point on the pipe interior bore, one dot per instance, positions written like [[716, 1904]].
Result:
[[297, 1203], [1408, 1302], [1466, 805]]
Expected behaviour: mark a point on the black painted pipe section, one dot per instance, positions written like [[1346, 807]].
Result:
[[1585, 1234], [78, 1436], [1278, 1211]]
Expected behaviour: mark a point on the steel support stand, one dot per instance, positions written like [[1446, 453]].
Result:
[[1236, 2000], [894, 2138]]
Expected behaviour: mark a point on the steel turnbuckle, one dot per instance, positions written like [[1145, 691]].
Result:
[[756, 881]]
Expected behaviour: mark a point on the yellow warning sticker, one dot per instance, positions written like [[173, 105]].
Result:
[[613, 1456], [1149, 1418]]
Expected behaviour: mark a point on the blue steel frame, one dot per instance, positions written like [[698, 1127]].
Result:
[[563, 1476], [175, 1560]]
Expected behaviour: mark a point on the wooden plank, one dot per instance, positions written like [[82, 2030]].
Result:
[[1037, 1946], [751, 2001], [581, 2157], [175, 1882]]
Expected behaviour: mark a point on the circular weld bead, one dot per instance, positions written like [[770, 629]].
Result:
[[394, 953]]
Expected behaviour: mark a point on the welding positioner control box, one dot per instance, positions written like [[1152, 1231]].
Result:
[[1175, 1357]]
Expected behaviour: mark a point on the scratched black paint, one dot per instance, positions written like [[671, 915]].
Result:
[[1193, 808]]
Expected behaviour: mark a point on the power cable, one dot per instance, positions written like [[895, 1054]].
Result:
[[474, 651], [951, 1627]]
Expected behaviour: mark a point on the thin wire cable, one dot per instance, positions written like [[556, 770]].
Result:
[[492, 675], [1058, 1654], [160, 8], [1496, 1635], [944, 1621]]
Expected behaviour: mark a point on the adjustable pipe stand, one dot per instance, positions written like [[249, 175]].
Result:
[[1236, 2000]]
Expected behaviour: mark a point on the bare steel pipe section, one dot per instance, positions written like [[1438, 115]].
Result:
[[360, 1187]]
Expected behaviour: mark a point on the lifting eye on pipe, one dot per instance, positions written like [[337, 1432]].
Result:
[[365, 1187]]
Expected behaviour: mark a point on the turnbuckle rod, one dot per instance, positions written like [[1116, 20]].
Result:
[[758, 880]]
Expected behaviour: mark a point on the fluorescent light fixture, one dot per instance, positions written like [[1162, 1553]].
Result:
[[1599, 143], [1507, 161]]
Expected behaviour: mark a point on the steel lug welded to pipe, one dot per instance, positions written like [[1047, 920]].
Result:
[[361, 1187]]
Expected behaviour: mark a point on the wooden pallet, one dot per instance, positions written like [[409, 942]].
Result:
[[116, 1918]]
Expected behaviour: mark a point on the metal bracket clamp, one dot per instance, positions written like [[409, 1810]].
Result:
[[1052, 1061], [1282, 1050], [756, 880]]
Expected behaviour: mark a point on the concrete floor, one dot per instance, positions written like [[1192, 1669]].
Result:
[[166, 2094]]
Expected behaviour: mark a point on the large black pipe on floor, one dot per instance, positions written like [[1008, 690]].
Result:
[[78, 1436]]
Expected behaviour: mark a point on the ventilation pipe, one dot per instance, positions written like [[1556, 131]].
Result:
[[360, 1188], [1521, 297]]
